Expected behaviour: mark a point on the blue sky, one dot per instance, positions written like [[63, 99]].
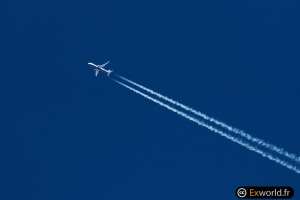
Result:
[[66, 134]]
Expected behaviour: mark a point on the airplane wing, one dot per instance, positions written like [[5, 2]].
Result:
[[102, 66], [96, 72]]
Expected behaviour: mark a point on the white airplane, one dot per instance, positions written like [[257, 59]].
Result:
[[101, 67]]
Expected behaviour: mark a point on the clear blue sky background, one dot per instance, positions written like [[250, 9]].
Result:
[[66, 134]]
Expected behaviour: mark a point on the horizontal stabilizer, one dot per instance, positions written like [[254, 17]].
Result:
[[109, 71]]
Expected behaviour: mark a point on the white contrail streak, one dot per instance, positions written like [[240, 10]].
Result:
[[235, 130], [236, 140]]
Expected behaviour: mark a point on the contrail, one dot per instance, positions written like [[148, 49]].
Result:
[[236, 140], [235, 130]]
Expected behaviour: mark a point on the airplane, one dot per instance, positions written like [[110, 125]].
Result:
[[101, 67]]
